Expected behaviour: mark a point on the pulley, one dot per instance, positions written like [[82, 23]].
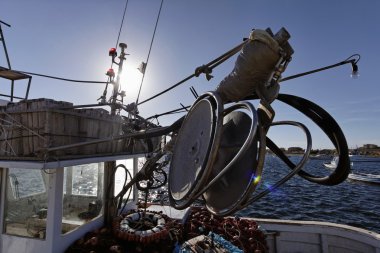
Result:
[[195, 150], [225, 195], [214, 159]]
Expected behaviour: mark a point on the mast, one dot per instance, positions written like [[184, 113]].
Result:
[[110, 167]]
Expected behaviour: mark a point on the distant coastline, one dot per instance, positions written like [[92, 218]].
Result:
[[368, 150]]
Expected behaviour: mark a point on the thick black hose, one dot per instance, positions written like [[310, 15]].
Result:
[[330, 127], [296, 168]]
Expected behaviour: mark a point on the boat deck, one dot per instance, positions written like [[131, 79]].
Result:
[[318, 237]]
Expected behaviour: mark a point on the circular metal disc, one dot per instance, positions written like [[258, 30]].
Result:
[[226, 194], [191, 150]]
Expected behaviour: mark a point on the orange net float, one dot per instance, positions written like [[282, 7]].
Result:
[[142, 227]]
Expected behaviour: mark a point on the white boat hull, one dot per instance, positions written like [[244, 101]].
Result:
[[318, 237], [368, 178]]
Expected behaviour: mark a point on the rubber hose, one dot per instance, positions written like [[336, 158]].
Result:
[[330, 127]]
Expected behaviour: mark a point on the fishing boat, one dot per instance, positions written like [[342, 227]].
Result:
[[58, 163], [365, 177], [332, 164]]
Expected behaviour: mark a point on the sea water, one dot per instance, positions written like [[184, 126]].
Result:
[[352, 202]]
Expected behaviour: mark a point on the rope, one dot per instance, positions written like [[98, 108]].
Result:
[[348, 60], [58, 78], [227, 55], [150, 48], [2, 22], [179, 110], [168, 89], [203, 69]]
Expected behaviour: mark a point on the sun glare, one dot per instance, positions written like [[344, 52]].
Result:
[[130, 80]]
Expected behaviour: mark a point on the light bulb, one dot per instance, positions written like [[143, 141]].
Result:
[[355, 71], [355, 74]]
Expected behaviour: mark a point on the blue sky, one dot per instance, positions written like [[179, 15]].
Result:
[[71, 39]]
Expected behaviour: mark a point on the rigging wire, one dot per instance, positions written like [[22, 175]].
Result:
[[118, 37], [58, 78], [150, 48], [350, 59], [117, 42], [202, 69], [75, 80], [233, 51], [179, 110], [122, 23]]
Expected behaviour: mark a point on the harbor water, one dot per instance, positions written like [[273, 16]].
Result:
[[352, 203]]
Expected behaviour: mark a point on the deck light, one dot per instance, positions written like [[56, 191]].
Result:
[[110, 73], [112, 52], [355, 70]]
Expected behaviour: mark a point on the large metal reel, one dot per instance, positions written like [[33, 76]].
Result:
[[237, 169], [195, 150]]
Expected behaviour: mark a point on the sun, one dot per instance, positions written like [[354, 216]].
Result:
[[130, 80]]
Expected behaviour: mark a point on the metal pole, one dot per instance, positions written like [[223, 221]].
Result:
[[12, 90], [28, 88], [3, 40], [110, 167], [116, 85]]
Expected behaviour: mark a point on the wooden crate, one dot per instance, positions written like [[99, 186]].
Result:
[[30, 126]]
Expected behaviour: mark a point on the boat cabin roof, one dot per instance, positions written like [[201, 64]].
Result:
[[38, 164]]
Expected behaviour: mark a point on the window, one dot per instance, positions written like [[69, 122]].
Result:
[[83, 180], [120, 175], [26, 202], [82, 194]]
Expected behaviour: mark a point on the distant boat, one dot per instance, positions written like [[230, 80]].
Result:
[[368, 178], [333, 163], [320, 157], [352, 156]]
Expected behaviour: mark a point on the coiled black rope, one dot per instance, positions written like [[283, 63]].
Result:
[[329, 126]]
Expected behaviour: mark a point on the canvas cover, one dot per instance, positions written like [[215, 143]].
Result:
[[252, 70]]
